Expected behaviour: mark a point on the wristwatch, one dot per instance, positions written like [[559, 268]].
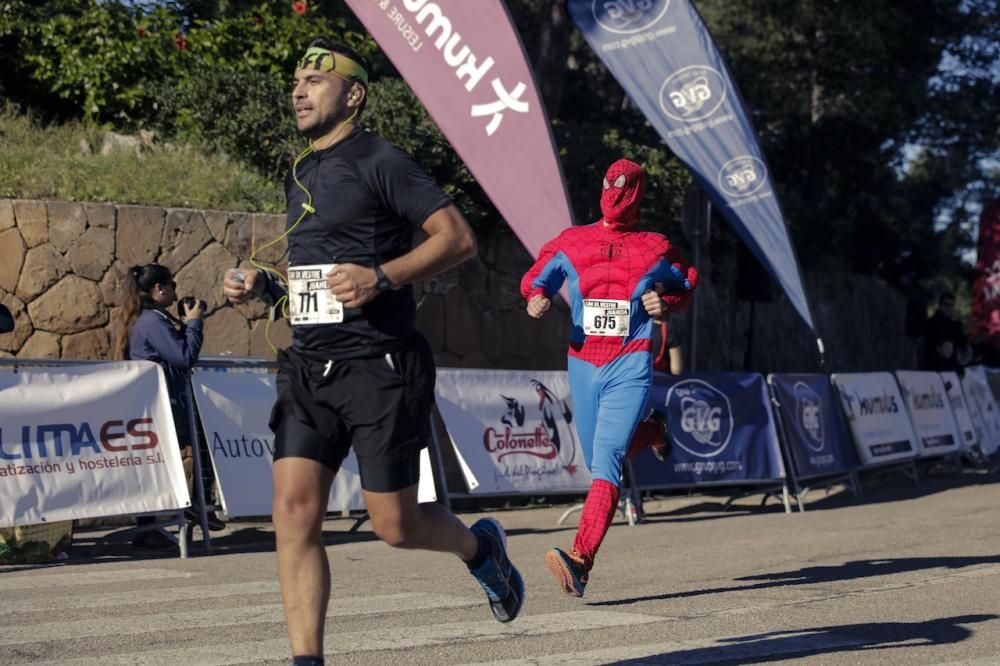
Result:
[[381, 280]]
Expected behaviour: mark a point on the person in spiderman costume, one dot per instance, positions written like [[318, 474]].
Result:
[[620, 280]]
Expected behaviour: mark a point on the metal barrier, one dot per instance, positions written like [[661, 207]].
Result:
[[220, 363]]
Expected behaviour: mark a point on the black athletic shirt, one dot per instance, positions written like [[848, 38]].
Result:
[[368, 195]]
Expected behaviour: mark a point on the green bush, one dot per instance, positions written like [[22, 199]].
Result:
[[102, 57], [113, 60], [243, 114]]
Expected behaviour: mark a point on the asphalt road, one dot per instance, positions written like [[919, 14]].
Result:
[[908, 575]]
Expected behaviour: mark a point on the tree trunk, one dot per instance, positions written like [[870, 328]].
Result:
[[553, 51]]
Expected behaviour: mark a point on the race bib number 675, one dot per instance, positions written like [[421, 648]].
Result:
[[310, 300], [607, 318]]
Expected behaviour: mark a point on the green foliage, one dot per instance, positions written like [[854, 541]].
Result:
[[243, 114], [842, 95], [29, 552], [57, 161], [879, 120], [102, 57]]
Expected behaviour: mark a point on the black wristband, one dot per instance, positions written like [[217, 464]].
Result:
[[381, 279]]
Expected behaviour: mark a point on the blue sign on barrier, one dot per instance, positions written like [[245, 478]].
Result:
[[817, 439], [722, 431]]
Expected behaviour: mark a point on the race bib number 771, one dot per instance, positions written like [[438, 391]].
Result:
[[310, 300]]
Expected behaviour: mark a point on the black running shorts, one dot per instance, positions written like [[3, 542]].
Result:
[[378, 405]]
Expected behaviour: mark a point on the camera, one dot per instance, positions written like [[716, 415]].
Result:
[[188, 302]]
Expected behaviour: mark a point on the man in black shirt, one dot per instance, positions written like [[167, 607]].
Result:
[[358, 373]]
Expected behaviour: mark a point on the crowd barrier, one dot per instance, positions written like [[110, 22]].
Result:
[[94, 439], [85, 439]]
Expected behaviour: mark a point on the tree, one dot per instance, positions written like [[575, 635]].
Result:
[[843, 96]]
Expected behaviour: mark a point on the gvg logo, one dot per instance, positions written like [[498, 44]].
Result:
[[809, 415], [692, 93], [625, 17], [705, 417], [742, 176]]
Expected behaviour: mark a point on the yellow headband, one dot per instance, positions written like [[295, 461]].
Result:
[[334, 63]]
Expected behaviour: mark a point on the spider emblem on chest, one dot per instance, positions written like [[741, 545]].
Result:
[[611, 250]]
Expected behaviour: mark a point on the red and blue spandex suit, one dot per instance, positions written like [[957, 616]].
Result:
[[610, 375]]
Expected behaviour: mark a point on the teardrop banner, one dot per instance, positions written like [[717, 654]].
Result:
[[466, 64], [662, 54]]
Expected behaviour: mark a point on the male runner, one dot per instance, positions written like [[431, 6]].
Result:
[[358, 373]]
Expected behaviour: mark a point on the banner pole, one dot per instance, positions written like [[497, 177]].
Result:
[[438, 466]]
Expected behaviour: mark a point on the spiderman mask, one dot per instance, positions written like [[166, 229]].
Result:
[[624, 185]]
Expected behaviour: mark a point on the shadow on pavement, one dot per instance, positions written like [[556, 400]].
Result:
[[785, 645], [821, 574], [101, 545], [877, 489]]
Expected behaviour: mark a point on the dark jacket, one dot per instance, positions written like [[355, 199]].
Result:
[[156, 337]]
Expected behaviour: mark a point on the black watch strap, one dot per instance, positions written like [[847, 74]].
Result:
[[381, 280]]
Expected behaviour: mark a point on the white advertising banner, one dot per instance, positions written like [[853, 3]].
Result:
[[960, 408], [235, 408], [512, 430], [87, 441], [930, 412], [877, 417], [983, 408]]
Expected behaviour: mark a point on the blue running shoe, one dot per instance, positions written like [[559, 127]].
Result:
[[569, 571], [499, 577]]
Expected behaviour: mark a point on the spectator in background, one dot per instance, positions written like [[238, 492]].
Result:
[[145, 330], [666, 340], [944, 339]]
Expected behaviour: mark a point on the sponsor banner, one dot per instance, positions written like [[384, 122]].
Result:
[[930, 412], [982, 407], [722, 431], [665, 59], [876, 416], [86, 442], [235, 407], [466, 64], [960, 408], [512, 430], [817, 439]]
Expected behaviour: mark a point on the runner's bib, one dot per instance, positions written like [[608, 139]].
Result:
[[606, 318], [310, 300]]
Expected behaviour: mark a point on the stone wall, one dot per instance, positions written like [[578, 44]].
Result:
[[62, 263], [61, 266]]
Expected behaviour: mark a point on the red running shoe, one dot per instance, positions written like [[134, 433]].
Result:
[[569, 571]]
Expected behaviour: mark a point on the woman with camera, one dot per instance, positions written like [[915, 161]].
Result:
[[145, 330]]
